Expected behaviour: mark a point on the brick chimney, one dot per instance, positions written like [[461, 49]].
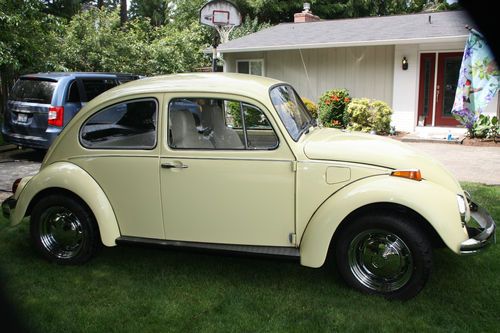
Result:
[[306, 15]]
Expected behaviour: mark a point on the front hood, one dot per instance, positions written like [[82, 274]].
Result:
[[335, 145]]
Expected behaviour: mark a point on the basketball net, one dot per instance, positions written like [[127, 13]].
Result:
[[224, 31]]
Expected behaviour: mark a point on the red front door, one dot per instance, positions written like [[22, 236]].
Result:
[[446, 78]]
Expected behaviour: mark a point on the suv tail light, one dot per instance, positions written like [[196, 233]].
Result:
[[56, 116]]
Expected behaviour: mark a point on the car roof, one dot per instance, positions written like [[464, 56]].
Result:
[[59, 75], [228, 83]]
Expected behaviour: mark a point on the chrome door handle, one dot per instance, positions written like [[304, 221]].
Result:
[[174, 165]]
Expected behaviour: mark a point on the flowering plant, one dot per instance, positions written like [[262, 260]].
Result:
[[311, 107], [332, 108], [368, 115]]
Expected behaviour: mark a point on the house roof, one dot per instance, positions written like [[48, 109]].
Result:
[[381, 30]]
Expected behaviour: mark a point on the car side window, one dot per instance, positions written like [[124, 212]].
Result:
[[128, 125], [208, 123], [74, 93], [95, 87]]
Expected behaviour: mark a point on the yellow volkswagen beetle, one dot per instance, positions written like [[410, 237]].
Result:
[[235, 162]]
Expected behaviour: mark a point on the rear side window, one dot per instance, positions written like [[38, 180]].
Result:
[[128, 125], [33, 91], [74, 93], [95, 87]]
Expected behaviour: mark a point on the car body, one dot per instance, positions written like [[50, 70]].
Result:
[[255, 175], [40, 105]]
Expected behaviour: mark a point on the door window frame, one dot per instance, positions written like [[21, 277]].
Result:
[[243, 123]]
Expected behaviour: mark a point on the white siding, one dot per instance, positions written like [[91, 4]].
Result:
[[405, 102], [367, 71]]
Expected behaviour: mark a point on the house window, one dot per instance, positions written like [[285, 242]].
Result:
[[254, 67]]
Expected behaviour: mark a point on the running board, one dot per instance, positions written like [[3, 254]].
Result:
[[275, 251]]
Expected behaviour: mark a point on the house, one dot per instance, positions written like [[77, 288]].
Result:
[[409, 61]]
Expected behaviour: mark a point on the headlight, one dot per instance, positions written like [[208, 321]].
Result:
[[461, 206]]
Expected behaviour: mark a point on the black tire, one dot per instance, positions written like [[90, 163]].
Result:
[[386, 255], [63, 230]]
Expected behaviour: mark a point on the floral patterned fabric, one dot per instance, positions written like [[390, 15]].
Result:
[[478, 82]]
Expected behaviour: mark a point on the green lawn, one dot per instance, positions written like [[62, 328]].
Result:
[[129, 289]]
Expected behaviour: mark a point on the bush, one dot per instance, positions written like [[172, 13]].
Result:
[[332, 108], [485, 127], [367, 115], [311, 107]]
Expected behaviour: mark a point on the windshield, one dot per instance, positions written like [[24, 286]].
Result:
[[291, 110], [34, 91]]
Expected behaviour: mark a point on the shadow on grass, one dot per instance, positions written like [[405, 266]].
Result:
[[130, 289]]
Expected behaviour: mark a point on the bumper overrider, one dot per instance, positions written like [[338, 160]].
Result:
[[481, 236], [8, 206]]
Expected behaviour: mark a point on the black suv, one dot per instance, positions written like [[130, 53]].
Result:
[[40, 105]]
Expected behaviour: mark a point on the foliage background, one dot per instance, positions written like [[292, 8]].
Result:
[[332, 107], [368, 115], [152, 37]]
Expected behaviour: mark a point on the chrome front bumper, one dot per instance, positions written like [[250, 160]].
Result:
[[482, 236]]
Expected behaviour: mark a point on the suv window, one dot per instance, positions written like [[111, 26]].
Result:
[[74, 93], [95, 87], [207, 123], [33, 91], [128, 125]]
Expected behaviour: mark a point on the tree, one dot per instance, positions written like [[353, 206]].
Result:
[[27, 37], [123, 12], [157, 11], [94, 41], [247, 27]]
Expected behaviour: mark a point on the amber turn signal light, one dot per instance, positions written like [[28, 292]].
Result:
[[410, 174]]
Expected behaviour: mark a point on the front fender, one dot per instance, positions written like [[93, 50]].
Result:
[[438, 205], [70, 177]]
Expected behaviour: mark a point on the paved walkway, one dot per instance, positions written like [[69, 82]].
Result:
[[468, 163]]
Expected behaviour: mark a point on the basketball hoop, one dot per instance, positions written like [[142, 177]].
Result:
[[224, 31], [223, 16]]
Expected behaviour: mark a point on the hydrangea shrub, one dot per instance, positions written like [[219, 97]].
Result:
[[368, 115]]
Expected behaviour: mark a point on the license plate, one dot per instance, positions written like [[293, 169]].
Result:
[[22, 117]]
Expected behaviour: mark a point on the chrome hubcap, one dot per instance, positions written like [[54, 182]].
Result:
[[380, 260], [61, 232]]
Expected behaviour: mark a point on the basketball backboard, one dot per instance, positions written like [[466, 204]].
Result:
[[220, 13]]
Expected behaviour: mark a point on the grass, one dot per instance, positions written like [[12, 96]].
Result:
[[127, 289]]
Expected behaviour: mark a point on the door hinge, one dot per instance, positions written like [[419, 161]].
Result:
[[294, 166], [292, 237]]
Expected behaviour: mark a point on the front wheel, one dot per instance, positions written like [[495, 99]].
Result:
[[385, 255], [63, 230]]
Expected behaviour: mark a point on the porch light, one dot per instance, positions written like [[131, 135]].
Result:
[[404, 63]]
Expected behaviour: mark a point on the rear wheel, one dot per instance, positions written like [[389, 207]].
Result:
[[385, 255], [63, 230]]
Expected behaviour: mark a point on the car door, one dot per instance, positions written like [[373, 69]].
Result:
[[226, 173], [122, 155]]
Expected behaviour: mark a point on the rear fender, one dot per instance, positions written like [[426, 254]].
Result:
[[67, 176]]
